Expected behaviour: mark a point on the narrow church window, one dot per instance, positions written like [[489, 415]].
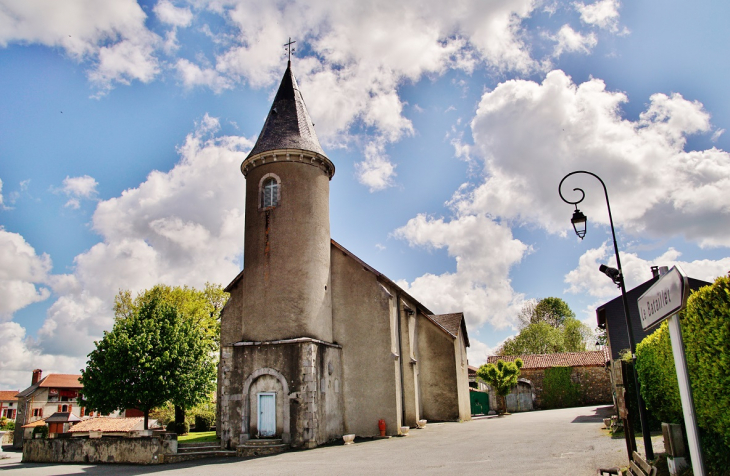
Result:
[[270, 189]]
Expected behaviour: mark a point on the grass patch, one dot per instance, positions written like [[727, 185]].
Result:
[[201, 437]]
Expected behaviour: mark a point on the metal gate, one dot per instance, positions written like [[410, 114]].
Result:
[[267, 415], [520, 399]]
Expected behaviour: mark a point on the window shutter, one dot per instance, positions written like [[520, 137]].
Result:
[[82, 411], [40, 412], [59, 408], [70, 407]]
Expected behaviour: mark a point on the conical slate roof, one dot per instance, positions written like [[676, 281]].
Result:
[[288, 125]]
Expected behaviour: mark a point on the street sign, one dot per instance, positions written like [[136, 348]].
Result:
[[666, 297]]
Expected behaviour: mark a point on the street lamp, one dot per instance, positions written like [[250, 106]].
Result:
[[580, 222]]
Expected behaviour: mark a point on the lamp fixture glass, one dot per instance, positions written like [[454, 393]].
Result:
[[580, 223]]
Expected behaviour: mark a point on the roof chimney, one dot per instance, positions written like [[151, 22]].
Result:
[[663, 270], [655, 271], [36, 376]]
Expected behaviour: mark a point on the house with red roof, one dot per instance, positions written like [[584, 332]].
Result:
[[558, 380], [46, 396], [8, 404]]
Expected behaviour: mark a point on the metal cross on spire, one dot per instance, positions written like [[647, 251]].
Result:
[[289, 48]]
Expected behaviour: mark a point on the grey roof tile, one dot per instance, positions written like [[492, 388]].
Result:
[[288, 125]]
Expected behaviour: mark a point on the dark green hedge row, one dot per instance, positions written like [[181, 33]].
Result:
[[706, 333], [558, 389]]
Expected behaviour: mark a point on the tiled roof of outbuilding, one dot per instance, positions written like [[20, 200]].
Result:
[[61, 381], [8, 395], [595, 358], [35, 423], [288, 125], [108, 424]]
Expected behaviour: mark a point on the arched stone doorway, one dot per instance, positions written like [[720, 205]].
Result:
[[265, 381]]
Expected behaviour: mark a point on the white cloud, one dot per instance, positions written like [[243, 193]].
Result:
[[603, 13], [587, 279], [193, 75], [111, 35], [377, 171], [530, 135], [21, 355], [571, 41], [478, 352], [84, 186], [172, 15], [361, 52], [181, 227], [21, 273], [484, 251], [77, 188]]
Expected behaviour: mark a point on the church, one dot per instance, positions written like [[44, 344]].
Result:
[[315, 343]]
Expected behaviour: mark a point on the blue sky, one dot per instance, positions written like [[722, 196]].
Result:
[[122, 126]]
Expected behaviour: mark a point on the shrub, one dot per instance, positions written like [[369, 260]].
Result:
[[706, 331], [204, 420], [658, 377], [42, 430], [559, 391], [170, 426], [181, 428]]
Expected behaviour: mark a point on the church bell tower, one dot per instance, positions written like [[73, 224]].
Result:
[[287, 229]]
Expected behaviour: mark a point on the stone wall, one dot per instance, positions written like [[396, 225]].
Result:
[[595, 386], [143, 450], [306, 377]]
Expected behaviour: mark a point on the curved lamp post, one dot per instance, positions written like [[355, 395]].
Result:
[[580, 225]]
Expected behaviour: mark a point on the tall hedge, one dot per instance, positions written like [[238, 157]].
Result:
[[706, 332], [655, 366], [558, 389]]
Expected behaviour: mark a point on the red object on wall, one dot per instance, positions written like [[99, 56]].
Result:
[[381, 427]]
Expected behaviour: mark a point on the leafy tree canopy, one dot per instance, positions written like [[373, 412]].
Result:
[[162, 348], [547, 326], [149, 357], [501, 376], [551, 310], [202, 308]]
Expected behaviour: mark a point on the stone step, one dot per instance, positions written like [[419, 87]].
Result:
[[249, 450], [198, 448], [198, 444], [263, 442], [198, 455]]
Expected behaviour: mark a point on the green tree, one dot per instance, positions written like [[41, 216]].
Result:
[[547, 326], [501, 377], [201, 308], [150, 356], [537, 338]]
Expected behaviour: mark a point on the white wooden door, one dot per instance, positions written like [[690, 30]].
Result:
[[267, 414]]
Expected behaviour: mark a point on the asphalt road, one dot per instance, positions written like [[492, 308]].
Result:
[[554, 442]]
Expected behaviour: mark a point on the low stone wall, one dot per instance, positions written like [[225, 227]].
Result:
[[110, 449], [594, 382]]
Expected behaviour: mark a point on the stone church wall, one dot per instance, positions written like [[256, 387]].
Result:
[[362, 326], [439, 391], [306, 378]]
